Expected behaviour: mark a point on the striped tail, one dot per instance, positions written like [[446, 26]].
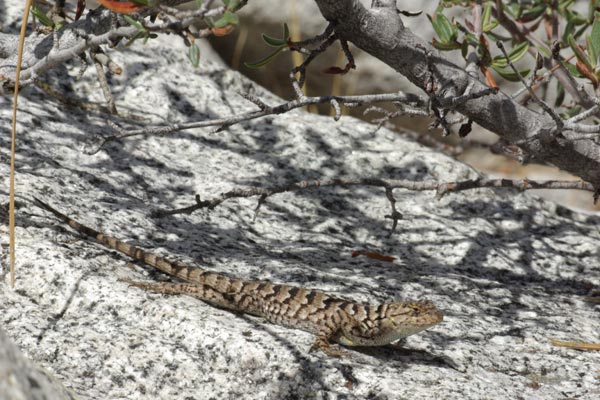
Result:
[[179, 270]]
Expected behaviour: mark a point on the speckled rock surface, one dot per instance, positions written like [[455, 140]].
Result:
[[509, 271], [20, 379]]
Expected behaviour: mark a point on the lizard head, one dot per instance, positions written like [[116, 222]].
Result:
[[389, 322]]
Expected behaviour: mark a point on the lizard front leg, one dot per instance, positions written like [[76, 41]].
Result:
[[331, 331], [323, 343]]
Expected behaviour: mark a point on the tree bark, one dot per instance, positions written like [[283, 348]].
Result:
[[380, 32]]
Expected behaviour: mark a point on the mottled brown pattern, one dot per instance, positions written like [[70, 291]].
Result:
[[331, 319]]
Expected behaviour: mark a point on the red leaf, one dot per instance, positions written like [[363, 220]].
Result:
[[470, 25], [123, 7], [488, 77], [338, 70], [80, 8], [584, 70], [374, 255], [226, 30], [334, 70]]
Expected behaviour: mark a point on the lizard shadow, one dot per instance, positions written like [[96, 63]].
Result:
[[314, 363], [402, 357]]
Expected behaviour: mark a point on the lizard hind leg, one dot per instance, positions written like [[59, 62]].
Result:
[[202, 292], [162, 287]]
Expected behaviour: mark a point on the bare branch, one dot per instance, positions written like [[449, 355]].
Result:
[[523, 34], [380, 32], [264, 111], [301, 69], [44, 52], [534, 96], [442, 188], [110, 101]]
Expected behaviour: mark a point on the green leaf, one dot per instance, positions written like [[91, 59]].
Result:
[[514, 9], [228, 18], [579, 53], [494, 37], [286, 32], [576, 18], [572, 70], [595, 37], [518, 52], [579, 32], [571, 112], [545, 52], [490, 26], [471, 39], [264, 61], [533, 13], [464, 48], [138, 35], [273, 42], [199, 3], [232, 5], [486, 15], [591, 9], [42, 17], [486, 23], [564, 5], [446, 46], [221, 22], [568, 30], [590, 49], [514, 55], [194, 55], [232, 18], [135, 23], [443, 27], [509, 74], [279, 44]]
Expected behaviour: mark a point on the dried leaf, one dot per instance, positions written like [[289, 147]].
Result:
[[488, 77], [374, 255], [222, 31], [80, 8], [123, 7], [584, 70]]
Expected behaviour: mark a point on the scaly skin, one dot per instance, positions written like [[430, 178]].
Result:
[[329, 318]]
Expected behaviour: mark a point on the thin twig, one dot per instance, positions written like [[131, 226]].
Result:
[[454, 101], [557, 119], [301, 69], [316, 39], [265, 111], [110, 101], [521, 33], [442, 188], [86, 41], [472, 58], [584, 115]]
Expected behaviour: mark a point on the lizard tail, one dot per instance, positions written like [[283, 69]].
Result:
[[163, 264]]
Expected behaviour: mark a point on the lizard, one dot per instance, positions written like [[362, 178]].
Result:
[[331, 319]]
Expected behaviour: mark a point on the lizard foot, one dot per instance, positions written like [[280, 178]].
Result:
[[327, 348]]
